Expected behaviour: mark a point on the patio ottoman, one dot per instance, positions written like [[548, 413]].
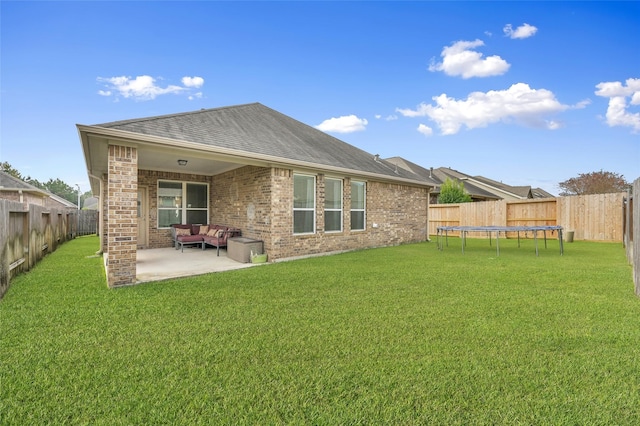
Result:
[[240, 248]]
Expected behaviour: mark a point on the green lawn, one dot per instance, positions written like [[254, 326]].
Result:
[[403, 335]]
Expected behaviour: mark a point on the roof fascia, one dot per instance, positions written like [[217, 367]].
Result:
[[35, 191]]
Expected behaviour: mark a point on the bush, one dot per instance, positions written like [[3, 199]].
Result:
[[452, 191]]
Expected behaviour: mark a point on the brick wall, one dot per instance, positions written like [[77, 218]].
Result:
[[104, 199], [242, 198], [122, 230], [259, 201], [399, 211], [159, 238]]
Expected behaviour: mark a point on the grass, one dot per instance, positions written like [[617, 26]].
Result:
[[402, 335]]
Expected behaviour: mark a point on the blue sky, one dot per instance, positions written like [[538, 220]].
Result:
[[525, 93]]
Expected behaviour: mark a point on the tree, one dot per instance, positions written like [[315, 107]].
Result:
[[594, 183], [452, 191], [62, 189], [8, 168]]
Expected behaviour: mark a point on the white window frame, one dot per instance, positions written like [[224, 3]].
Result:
[[184, 207], [305, 209], [364, 206], [340, 209]]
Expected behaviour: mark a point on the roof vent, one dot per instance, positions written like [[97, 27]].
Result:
[[376, 158]]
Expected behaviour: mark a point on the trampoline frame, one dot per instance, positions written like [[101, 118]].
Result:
[[443, 233]]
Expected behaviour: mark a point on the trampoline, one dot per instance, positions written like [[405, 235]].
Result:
[[443, 234]]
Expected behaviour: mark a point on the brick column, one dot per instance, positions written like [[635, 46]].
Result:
[[122, 222]]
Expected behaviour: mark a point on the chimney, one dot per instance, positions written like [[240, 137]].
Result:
[[431, 172], [376, 158]]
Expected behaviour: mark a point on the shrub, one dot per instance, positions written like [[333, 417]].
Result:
[[452, 191]]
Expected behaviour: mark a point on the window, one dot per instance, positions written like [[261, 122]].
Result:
[[182, 202], [333, 205], [358, 197], [304, 204]]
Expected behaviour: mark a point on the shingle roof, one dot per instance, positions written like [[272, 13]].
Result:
[[414, 168], [255, 128], [439, 175], [522, 191], [541, 193], [11, 183], [8, 182], [474, 190]]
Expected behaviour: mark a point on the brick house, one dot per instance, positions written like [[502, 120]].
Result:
[[301, 191]]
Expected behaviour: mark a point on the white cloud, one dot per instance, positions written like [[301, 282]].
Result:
[[344, 124], [425, 130], [617, 111], [192, 81], [553, 125], [144, 87], [387, 118], [523, 31], [582, 104], [519, 104], [460, 59]]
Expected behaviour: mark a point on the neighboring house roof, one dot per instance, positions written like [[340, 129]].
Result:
[[541, 193], [519, 191], [439, 175], [62, 201], [479, 187], [476, 190], [243, 134], [12, 183]]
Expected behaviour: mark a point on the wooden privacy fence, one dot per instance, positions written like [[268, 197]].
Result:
[[87, 222], [597, 217], [632, 232], [27, 234]]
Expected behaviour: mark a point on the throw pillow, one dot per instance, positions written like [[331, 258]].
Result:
[[182, 232], [204, 229], [220, 233], [212, 233]]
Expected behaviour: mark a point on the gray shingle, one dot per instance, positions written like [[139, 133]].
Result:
[[9, 182], [255, 128]]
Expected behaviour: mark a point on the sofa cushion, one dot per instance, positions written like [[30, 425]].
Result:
[[180, 232], [214, 235], [203, 229], [189, 238]]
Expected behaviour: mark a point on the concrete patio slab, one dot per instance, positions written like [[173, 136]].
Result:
[[166, 263]]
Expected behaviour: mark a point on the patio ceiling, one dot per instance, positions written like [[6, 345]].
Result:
[[159, 157]]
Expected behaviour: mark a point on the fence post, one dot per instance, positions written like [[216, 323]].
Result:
[[635, 235]]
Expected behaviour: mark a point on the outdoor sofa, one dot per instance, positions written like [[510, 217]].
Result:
[[203, 235]]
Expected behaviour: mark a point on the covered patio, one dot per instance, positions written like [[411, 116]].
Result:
[[165, 263]]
